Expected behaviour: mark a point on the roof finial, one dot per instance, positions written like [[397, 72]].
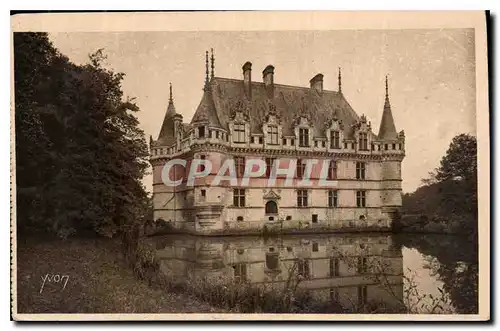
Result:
[[212, 59], [206, 71], [386, 88], [340, 80], [170, 99]]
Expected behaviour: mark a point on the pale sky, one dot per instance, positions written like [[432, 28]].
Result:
[[431, 75]]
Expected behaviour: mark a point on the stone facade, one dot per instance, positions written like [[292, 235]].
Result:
[[244, 120]]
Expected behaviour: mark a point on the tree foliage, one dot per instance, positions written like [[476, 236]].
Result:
[[451, 191], [80, 155]]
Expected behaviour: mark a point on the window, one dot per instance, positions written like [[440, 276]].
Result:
[[300, 169], [261, 140], [334, 267], [292, 142], [239, 197], [362, 267], [202, 166], [284, 141], [203, 194], [239, 133], [323, 144], [217, 134], [360, 170], [271, 207], [253, 140], [303, 137], [201, 132], [334, 295], [373, 146], [363, 141], [315, 218], [315, 143], [272, 261], [345, 145], [315, 247], [272, 135], [386, 146], [332, 170], [302, 198], [289, 218], [393, 146], [333, 198], [239, 218], [269, 166], [334, 139], [361, 198], [353, 145], [240, 272], [303, 268], [239, 164], [362, 295]]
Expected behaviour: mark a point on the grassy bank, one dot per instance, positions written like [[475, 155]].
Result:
[[98, 281]]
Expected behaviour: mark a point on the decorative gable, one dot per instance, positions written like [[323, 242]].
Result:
[[240, 112], [271, 195]]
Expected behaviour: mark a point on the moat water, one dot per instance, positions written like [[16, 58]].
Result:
[[370, 272]]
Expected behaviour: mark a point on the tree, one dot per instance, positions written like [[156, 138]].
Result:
[[460, 160], [80, 153]]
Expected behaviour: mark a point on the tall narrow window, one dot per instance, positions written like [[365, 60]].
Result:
[[334, 267], [239, 133], [300, 168], [302, 198], [333, 198], [334, 139], [303, 137], [272, 135], [239, 164], [361, 198], [240, 272], [363, 141], [334, 294], [362, 295], [332, 170], [201, 132], [360, 170], [269, 166], [239, 197], [303, 268], [362, 265], [202, 166]]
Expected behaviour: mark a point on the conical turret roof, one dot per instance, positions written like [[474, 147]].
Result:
[[387, 128]]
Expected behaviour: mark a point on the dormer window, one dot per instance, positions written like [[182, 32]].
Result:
[[334, 139], [303, 137], [272, 135], [201, 132], [239, 133]]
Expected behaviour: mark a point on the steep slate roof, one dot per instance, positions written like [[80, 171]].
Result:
[[206, 111], [223, 95], [387, 128], [166, 136]]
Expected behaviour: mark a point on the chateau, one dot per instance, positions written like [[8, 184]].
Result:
[[242, 119]]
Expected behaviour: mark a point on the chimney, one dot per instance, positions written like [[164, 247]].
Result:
[[268, 78], [317, 83], [247, 78]]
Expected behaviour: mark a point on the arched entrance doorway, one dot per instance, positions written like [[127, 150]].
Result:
[[271, 207]]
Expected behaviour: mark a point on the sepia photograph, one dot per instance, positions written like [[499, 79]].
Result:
[[250, 166]]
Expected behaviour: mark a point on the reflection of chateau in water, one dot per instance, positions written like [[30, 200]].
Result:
[[344, 268]]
